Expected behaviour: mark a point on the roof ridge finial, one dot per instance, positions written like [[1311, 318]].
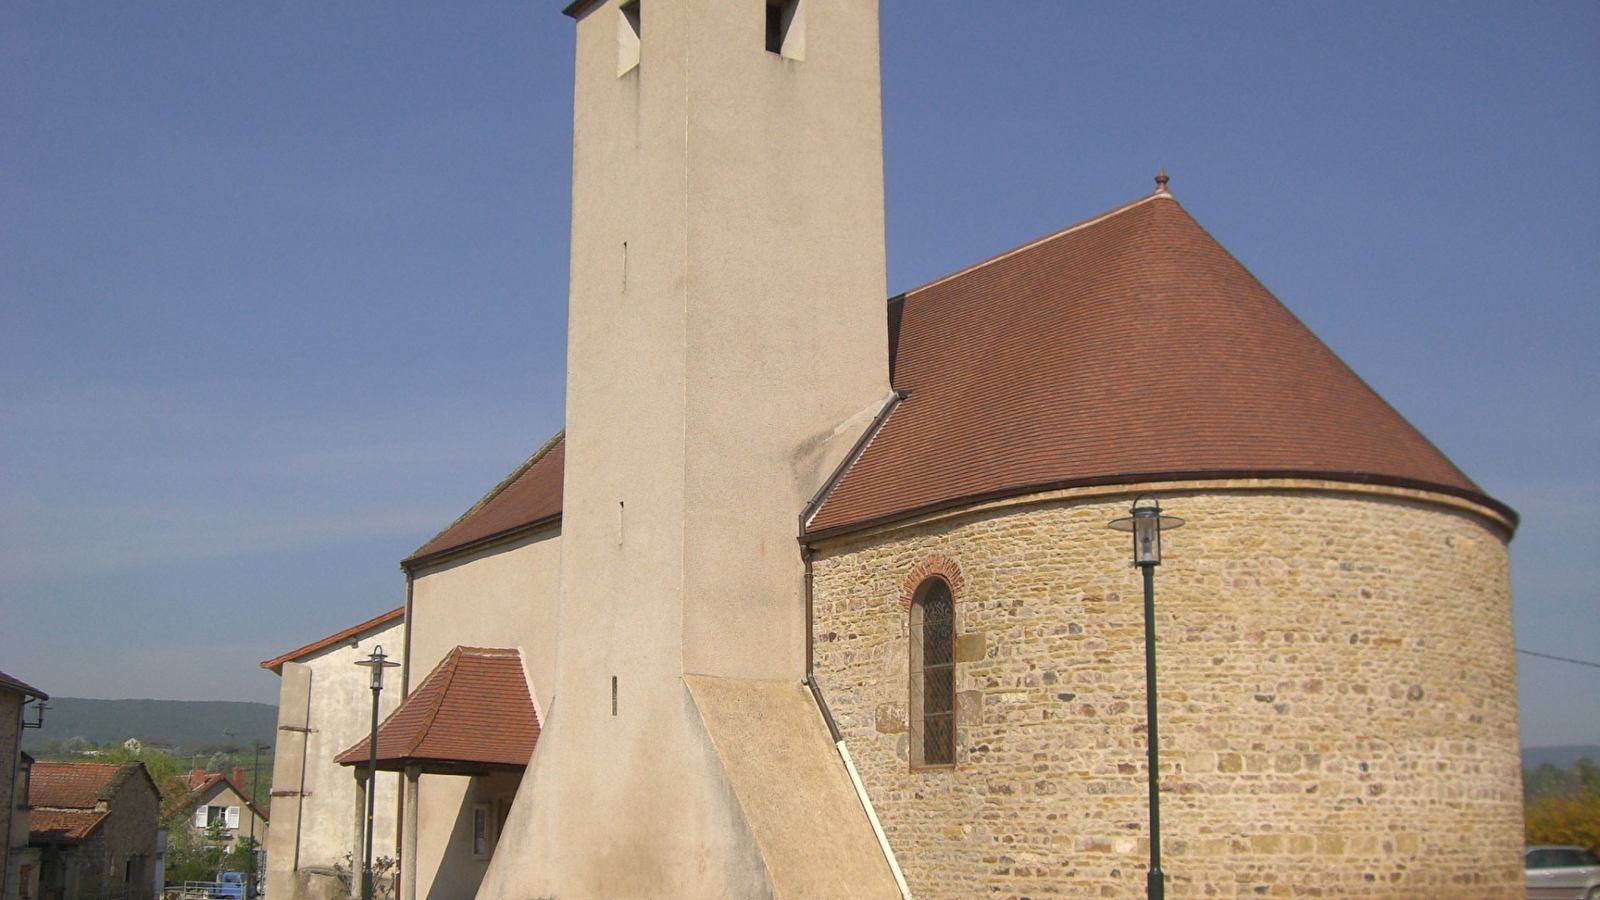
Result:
[[1161, 180]]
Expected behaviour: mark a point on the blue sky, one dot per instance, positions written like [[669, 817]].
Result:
[[282, 286]]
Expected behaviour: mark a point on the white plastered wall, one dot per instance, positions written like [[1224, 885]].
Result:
[[325, 707]]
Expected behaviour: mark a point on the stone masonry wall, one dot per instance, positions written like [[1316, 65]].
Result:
[[1336, 685], [130, 831]]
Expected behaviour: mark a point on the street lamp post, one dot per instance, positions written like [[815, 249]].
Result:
[[255, 786], [377, 662], [1146, 523]]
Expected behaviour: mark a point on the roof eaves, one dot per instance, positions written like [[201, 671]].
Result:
[[276, 663], [22, 687], [411, 564], [577, 8], [1508, 517], [494, 492], [244, 795]]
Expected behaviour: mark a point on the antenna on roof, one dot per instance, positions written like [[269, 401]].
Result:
[[1161, 180]]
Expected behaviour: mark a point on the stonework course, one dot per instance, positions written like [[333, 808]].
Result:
[[1336, 685]]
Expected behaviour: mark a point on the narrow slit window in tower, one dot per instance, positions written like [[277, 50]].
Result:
[[786, 28], [628, 31]]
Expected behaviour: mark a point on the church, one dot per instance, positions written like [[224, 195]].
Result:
[[814, 596]]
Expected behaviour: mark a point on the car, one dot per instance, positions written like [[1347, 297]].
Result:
[[1563, 873]]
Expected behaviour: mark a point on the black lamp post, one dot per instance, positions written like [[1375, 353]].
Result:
[[1146, 523], [255, 786], [377, 662]]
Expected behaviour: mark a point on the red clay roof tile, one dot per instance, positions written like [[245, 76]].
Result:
[[473, 708], [6, 681], [1130, 347], [529, 496], [63, 826], [276, 663], [194, 788], [74, 785]]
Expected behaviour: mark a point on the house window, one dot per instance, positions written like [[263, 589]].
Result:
[[629, 28], [786, 28], [216, 817], [933, 720], [480, 831], [25, 882]]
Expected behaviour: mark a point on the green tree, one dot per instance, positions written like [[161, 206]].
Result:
[[159, 763], [195, 854], [1564, 807]]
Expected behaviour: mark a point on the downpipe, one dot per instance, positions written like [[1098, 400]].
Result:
[[838, 738]]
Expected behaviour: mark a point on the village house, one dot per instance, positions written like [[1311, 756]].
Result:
[[19, 863], [94, 825], [220, 807], [815, 596]]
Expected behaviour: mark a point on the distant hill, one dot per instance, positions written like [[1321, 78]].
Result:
[[1560, 757], [186, 724]]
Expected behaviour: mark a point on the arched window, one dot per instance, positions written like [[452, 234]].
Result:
[[933, 681]]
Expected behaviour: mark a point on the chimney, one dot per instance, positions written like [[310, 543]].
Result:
[[197, 776], [238, 777]]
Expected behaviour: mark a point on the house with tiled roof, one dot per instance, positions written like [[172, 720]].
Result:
[[218, 806], [324, 706], [19, 864], [818, 592], [95, 827]]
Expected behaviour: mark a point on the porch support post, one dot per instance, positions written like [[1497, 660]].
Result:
[[408, 835], [359, 837]]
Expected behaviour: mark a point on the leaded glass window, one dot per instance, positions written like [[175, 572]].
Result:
[[933, 683]]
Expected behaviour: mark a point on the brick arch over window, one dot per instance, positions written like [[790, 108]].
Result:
[[934, 564]]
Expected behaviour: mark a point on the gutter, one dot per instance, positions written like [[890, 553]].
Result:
[[1498, 515], [411, 564]]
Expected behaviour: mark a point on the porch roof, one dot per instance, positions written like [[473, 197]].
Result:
[[472, 714]]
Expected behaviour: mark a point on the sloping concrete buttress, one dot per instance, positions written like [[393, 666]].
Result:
[[794, 791]]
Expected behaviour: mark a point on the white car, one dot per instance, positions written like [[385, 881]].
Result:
[[1563, 873]]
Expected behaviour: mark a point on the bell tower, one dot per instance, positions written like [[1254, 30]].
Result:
[[727, 345]]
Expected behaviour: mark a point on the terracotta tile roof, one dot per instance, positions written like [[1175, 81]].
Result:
[[7, 682], [1130, 347], [73, 785], [472, 709], [193, 789], [528, 497], [63, 826], [377, 622]]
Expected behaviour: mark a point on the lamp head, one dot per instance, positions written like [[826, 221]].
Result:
[[1145, 522], [377, 661]]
